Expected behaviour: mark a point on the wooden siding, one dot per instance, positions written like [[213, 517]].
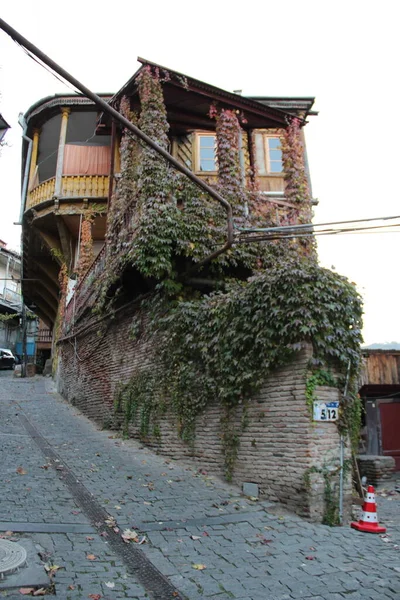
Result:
[[381, 368]]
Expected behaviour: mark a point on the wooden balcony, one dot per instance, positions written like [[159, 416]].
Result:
[[72, 186]]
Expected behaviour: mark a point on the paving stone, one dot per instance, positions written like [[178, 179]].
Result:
[[347, 564]]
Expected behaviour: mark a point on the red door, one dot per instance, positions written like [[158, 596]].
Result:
[[390, 430]]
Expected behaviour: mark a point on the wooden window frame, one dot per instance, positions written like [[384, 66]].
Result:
[[196, 152], [266, 150]]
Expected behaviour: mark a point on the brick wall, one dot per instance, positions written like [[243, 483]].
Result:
[[277, 447]]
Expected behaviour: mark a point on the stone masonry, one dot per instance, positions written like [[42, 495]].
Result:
[[280, 448]]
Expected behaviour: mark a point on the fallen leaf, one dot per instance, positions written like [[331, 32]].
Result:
[[71, 587], [75, 512], [21, 471], [117, 507], [51, 568], [199, 567], [44, 466], [143, 540], [89, 538], [91, 557], [147, 503], [129, 535], [129, 476], [40, 592], [26, 591], [8, 533], [94, 596], [206, 534], [310, 557], [110, 584], [195, 537]]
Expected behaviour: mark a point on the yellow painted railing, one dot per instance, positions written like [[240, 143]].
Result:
[[72, 186], [42, 192]]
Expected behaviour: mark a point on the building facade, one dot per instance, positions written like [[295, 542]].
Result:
[[108, 225]]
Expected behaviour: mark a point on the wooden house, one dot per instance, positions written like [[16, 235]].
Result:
[[71, 163]]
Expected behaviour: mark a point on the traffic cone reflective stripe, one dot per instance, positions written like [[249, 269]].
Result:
[[369, 518]]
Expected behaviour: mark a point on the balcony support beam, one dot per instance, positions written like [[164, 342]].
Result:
[[66, 242], [53, 245]]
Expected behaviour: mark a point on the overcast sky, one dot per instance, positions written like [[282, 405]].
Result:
[[345, 53]]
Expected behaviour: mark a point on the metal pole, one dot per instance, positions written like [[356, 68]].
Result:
[[24, 356], [341, 486], [127, 124]]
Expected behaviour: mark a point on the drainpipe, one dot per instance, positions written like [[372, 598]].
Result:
[[242, 169], [26, 176]]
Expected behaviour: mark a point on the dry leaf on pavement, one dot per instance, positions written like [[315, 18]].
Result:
[[128, 535], [26, 591], [110, 584], [199, 567], [91, 557], [21, 471]]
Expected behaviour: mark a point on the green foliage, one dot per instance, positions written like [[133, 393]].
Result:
[[217, 348], [220, 348], [317, 377], [331, 501], [9, 317], [137, 401]]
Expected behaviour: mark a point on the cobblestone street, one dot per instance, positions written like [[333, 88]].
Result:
[[61, 477]]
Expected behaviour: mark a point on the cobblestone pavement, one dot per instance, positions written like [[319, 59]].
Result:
[[250, 550]]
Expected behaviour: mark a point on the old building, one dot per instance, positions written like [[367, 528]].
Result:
[[10, 296], [109, 228], [11, 325], [380, 392]]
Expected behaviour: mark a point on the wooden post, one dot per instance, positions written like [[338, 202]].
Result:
[[34, 156], [61, 145]]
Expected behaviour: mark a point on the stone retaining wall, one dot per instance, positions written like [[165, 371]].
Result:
[[280, 448]]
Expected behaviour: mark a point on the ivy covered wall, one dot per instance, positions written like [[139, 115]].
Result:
[[209, 345]]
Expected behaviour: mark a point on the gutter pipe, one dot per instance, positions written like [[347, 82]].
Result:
[[17, 37], [26, 175]]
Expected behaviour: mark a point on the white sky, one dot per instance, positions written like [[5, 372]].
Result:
[[345, 53]]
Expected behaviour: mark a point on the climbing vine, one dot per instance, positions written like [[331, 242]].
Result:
[[86, 255], [220, 348], [272, 297]]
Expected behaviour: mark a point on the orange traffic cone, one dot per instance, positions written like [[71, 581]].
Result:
[[369, 518]]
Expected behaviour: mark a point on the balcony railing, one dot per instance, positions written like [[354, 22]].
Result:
[[72, 186], [44, 336]]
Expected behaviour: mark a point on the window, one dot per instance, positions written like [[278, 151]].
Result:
[[206, 154], [268, 154]]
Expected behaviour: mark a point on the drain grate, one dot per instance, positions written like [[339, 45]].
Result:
[[134, 558], [12, 556]]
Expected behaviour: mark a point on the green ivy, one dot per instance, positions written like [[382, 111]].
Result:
[[273, 297], [318, 377]]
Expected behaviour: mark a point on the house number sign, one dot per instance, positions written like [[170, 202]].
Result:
[[325, 411]]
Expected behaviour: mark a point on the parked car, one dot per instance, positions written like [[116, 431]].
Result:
[[7, 359]]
